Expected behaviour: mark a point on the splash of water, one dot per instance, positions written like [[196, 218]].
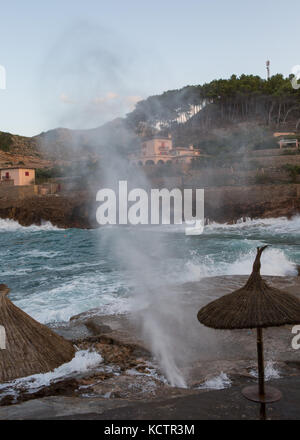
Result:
[[83, 361], [216, 383]]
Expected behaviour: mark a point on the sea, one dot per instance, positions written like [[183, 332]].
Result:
[[55, 273]]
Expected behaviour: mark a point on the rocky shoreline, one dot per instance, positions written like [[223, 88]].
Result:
[[77, 209], [128, 373]]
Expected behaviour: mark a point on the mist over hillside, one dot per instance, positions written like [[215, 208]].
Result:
[[224, 116], [63, 146]]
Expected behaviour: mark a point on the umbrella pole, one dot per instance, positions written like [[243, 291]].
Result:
[[263, 394], [260, 357]]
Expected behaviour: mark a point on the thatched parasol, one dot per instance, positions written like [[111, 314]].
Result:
[[30, 346], [256, 305]]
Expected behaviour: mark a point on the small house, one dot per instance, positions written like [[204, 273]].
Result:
[[18, 176]]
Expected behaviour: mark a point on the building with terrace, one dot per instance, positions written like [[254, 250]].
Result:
[[159, 150]]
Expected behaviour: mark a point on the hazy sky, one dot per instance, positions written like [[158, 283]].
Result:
[[79, 64]]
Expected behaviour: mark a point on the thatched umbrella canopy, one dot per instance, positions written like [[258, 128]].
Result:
[[30, 347], [255, 305]]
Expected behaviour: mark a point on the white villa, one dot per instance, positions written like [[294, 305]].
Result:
[[159, 150]]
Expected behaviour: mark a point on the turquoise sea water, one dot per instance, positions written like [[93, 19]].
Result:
[[54, 273]]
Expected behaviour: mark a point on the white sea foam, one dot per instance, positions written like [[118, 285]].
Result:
[[36, 253], [16, 272], [83, 361], [8, 225], [150, 371], [271, 372], [274, 262], [80, 290], [73, 297], [280, 224], [216, 383]]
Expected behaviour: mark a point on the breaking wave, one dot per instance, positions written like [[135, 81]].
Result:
[[275, 262], [54, 275], [82, 362], [8, 225]]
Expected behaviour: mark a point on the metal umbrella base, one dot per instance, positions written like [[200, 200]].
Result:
[[271, 394]]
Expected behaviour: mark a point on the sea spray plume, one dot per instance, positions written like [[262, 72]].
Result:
[[85, 73], [156, 306], [88, 79], [140, 253], [92, 74], [153, 329]]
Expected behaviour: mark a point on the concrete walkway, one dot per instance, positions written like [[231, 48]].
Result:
[[226, 404]]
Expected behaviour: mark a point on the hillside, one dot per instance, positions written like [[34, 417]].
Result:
[[223, 115], [227, 116], [20, 150], [70, 145], [65, 147]]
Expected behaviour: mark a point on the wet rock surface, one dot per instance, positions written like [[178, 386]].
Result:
[[76, 210], [227, 404], [128, 373], [225, 204]]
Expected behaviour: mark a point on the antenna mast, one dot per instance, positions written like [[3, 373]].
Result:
[[268, 69]]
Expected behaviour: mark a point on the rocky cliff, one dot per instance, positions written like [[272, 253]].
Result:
[[63, 211], [229, 204], [225, 204]]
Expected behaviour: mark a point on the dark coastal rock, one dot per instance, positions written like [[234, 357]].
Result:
[[96, 326], [231, 203], [72, 331], [114, 350], [66, 387], [57, 406], [72, 210], [227, 404], [77, 209], [128, 382]]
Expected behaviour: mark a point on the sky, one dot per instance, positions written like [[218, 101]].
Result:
[[79, 64]]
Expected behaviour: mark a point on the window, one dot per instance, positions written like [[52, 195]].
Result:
[[27, 173]]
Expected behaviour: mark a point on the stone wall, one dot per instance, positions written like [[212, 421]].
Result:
[[10, 192], [17, 192], [278, 161], [271, 152]]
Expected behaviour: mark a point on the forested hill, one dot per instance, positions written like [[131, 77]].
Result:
[[195, 112], [223, 116]]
